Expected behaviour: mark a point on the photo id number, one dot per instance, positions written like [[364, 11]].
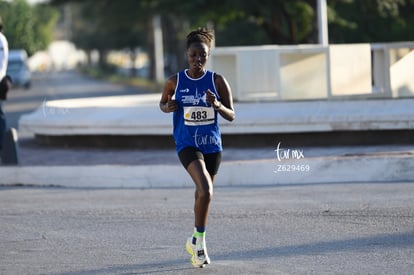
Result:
[[292, 168]]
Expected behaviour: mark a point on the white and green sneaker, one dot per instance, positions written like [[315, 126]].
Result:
[[198, 252]]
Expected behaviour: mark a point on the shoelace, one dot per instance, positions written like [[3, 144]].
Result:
[[200, 253]]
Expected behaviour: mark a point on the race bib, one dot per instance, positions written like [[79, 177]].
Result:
[[196, 115]]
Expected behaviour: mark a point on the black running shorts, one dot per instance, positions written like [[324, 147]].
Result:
[[212, 161]]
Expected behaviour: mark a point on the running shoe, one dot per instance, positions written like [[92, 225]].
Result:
[[198, 252]]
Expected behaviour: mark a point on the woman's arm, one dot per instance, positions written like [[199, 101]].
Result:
[[225, 105], [168, 105]]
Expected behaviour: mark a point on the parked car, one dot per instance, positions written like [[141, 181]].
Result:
[[18, 68]]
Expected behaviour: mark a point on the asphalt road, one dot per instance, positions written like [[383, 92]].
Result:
[[54, 86], [284, 229]]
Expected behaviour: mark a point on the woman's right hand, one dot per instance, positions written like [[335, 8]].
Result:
[[169, 106]]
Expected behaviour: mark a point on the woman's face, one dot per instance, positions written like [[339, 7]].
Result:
[[197, 56]]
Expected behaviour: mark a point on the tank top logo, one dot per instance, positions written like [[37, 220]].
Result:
[[194, 99], [184, 90]]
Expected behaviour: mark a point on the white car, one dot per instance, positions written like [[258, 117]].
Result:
[[18, 69]]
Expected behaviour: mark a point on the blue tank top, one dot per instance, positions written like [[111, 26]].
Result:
[[195, 120]]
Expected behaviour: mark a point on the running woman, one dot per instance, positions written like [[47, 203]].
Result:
[[200, 96]]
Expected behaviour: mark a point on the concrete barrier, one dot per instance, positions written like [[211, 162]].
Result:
[[304, 72], [274, 72], [140, 115], [323, 170], [392, 73]]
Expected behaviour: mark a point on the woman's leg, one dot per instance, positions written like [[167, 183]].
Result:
[[204, 191], [202, 169]]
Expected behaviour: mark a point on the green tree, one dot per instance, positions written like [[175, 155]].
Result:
[[238, 22], [105, 25], [353, 21], [19, 29], [128, 23], [44, 25], [282, 22], [249, 22], [32, 29]]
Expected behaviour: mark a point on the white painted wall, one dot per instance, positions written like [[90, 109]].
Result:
[[307, 72]]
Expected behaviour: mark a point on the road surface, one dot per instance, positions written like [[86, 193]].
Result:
[[287, 229], [57, 85]]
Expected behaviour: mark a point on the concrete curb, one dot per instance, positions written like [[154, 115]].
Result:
[[234, 173]]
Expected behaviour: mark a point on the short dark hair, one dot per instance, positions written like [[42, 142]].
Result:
[[201, 35]]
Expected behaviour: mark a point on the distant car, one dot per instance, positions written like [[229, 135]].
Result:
[[18, 68]]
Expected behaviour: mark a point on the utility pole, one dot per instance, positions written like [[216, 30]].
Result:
[[158, 49], [323, 23]]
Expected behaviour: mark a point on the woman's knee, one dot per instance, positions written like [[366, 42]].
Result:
[[204, 188], [202, 179], [205, 195], [206, 192]]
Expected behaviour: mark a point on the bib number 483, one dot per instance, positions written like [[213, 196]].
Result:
[[194, 116], [199, 115]]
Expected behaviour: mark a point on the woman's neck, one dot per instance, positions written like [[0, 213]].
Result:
[[195, 74]]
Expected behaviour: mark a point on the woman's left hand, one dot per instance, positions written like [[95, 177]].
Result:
[[211, 98]]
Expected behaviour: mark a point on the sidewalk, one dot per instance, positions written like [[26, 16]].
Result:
[[134, 168]]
